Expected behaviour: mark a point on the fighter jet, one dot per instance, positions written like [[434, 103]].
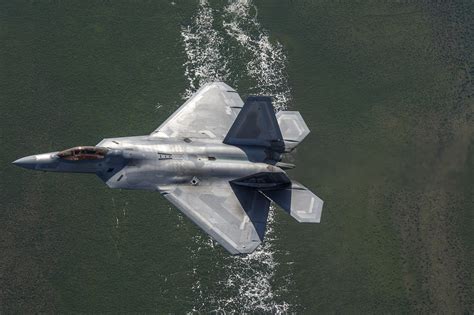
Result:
[[216, 158]]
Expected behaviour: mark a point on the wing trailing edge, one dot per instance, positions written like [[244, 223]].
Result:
[[234, 216]]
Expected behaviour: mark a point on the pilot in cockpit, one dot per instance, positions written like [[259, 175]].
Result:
[[83, 153]]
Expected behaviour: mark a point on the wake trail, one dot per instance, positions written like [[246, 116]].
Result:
[[202, 45], [267, 65], [247, 283]]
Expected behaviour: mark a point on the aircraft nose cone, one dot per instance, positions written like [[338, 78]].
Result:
[[28, 162]]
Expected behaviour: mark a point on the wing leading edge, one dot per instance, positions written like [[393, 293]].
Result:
[[209, 113], [234, 216]]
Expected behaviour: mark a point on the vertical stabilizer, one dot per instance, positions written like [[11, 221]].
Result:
[[256, 125]]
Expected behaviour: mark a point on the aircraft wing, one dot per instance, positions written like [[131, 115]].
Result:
[[234, 216], [209, 113]]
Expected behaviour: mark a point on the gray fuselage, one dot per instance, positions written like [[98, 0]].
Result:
[[152, 163]]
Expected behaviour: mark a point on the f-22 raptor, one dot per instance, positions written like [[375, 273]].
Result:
[[216, 158]]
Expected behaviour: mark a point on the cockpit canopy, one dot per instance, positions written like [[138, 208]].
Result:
[[83, 153]]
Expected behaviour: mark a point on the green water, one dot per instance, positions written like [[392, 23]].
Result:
[[384, 86]]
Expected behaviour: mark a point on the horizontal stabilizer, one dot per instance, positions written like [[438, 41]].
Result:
[[298, 201], [293, 128]]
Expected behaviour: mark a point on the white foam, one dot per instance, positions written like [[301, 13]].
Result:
[[247, 282], [202, 44], [268, 63], [252, 276], [267, 68]]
